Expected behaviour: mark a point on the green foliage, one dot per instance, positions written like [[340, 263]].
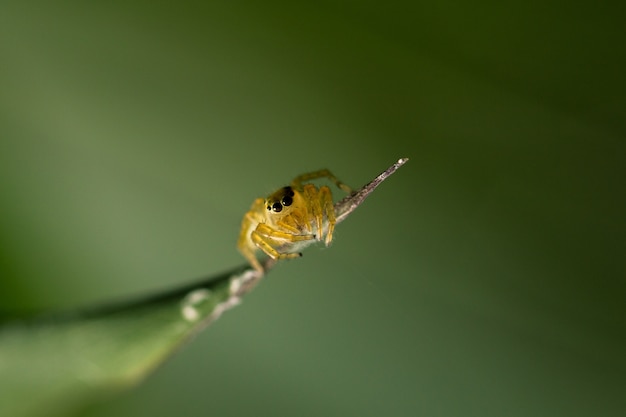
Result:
[[55, 363]]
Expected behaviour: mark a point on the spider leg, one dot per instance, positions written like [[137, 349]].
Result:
[[265, 243], [292, 229], [326, 200], [243, 244], [323, 173], [251, 257], [272, 234], [314, 209]]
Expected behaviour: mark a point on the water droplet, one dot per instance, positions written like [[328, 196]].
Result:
[[191, 301]]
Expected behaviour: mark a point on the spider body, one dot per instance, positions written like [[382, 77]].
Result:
[[289, 218]]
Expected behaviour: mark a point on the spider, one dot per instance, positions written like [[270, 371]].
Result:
[[289, 218]]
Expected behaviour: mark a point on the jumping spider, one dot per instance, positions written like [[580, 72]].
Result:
[[296, 214]]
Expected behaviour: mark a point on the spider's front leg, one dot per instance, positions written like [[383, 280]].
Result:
[[270, 240], [246, 247]]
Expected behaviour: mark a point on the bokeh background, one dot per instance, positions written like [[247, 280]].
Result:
[[485, 278]]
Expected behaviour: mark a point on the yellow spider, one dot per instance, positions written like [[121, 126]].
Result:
[[289, 217]]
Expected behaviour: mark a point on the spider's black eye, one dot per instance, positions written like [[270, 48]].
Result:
[[276, 207], [287, 200], [289, 191], [269, 208]]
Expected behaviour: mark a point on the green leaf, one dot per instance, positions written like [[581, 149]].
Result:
[[54, 364]]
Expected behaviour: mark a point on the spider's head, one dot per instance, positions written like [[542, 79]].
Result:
[[279, 200]]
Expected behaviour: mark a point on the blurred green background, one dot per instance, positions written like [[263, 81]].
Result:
[[485, 278]]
